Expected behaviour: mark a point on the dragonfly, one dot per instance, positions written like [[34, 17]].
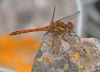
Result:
[[55, 27]]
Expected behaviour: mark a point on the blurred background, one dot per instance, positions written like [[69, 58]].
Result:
[[17, 52]]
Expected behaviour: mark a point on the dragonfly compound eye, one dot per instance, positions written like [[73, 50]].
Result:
[[70, 26]]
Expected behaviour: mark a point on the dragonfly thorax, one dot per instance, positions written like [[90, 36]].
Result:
[[58, 26]]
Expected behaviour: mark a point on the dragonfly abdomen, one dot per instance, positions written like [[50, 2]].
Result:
[[30, 30]]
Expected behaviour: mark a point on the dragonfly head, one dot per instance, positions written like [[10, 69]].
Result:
[[70, 26]]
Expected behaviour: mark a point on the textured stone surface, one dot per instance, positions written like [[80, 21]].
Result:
[[70, 54]]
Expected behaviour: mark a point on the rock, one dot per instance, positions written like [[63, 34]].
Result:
[[81, 55]]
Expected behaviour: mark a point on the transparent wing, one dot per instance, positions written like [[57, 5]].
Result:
[[52, 20], [50, 42], [71, 37], [70, 17], [46, 41]]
